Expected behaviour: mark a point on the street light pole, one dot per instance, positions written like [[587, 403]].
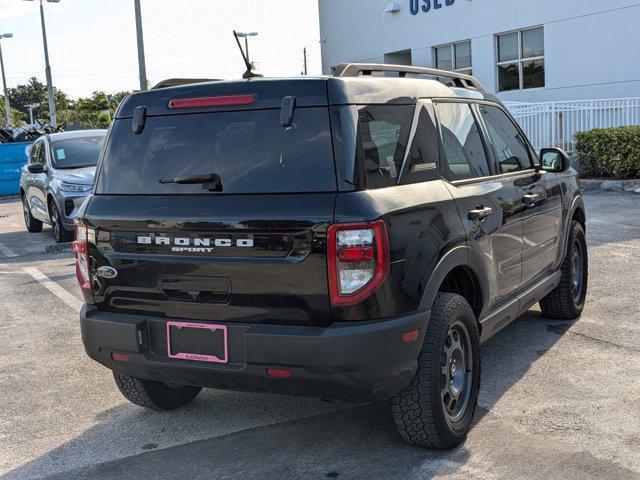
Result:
[[7, 104], [304, 53], [246, 41], [52, 101], [141, 64], [31, 107]]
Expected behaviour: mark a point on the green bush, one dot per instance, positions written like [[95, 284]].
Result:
[[610, 152]]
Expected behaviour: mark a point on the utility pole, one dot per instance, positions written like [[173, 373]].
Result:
[[7, 105], [304, 52], [141, 64]]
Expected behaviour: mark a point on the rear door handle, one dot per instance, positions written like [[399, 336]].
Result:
[[531, 198], [479, 213]]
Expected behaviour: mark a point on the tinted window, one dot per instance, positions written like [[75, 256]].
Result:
[[461, 143], [422, 161], [76, 152], [384, 132], [249, 150], [508, 144]]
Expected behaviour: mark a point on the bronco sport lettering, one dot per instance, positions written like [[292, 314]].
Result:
[[195, 245]]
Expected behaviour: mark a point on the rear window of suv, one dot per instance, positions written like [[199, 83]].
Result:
[[249, 150]]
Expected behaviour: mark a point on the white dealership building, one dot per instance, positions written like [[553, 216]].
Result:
[[523, 50]]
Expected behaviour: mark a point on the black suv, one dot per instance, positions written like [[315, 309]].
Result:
[[353, 237]]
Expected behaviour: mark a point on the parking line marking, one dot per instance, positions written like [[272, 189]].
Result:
[[54, 288], [6, 251]]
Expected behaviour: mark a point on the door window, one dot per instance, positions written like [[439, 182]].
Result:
[[509, 146], [461, 143]]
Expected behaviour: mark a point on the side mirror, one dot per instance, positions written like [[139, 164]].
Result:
[[35, 168], [554, 160]]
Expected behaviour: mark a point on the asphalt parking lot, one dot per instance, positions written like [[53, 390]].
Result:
[[558, 399]]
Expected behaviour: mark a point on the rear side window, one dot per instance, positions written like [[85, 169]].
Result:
[[421, 164], [249, 150], [508, 143], [384, 132], [462, 145]]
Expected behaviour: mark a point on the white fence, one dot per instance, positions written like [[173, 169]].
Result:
[[553, 124]]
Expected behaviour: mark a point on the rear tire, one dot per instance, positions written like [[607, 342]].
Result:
[[59, 233], [437, 409], [566, 301], [33, 225], [154, 395]]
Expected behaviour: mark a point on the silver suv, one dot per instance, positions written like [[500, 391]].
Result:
[[57, 178]]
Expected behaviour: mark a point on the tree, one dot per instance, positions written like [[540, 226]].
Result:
[[34, 92], [18, 117], [96, 111]]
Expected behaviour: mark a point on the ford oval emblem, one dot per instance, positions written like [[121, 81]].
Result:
[[107, 272]]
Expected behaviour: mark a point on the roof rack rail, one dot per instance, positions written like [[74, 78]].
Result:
[[176, 82], [405, 71]]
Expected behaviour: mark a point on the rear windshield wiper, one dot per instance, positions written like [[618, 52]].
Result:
[[209, 182]]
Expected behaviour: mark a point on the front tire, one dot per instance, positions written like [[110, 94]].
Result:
[[154, 395], [437, 409], [33, 224], [566, 301], [59, 233]]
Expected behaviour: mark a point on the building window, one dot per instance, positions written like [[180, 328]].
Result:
[[455, 56], [521, 59]]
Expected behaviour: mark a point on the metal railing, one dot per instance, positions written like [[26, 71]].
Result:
[[553, 124]]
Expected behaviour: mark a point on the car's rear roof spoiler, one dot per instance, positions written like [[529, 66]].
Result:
[[175, 82], [460, 80]]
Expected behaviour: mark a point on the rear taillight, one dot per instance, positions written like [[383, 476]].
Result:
[[358, 260], [80, 243]]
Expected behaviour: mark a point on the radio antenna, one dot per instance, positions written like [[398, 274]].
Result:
[[251, 68]]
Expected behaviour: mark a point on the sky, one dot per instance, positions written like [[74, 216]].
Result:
[[92, 43]]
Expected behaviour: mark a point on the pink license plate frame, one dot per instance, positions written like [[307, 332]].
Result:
[[197, 356]]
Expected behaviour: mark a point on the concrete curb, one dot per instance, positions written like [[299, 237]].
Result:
[[611, 185]]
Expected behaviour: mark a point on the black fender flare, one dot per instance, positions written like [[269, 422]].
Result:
[[460, 256], [576, 203]]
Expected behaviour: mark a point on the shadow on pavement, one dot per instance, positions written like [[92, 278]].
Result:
[[350, 443]]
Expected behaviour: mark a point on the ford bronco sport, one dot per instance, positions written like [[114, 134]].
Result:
[[353, 237]]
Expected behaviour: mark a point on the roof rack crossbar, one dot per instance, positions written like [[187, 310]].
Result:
[[405, 71]]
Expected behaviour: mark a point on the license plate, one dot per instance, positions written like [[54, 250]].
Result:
[[201, 342]]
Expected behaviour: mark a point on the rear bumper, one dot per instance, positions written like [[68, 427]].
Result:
[[355, 362]]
